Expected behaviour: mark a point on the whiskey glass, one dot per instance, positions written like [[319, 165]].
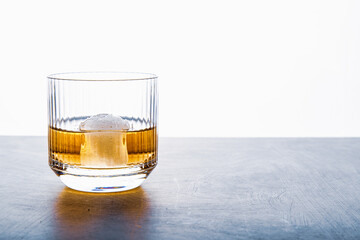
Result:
[[103, 129]]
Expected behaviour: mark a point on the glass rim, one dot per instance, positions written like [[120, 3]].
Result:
[[102, 76]]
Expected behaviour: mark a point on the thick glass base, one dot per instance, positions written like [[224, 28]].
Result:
[[102, 180]]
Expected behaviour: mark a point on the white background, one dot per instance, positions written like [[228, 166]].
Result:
[[226, 68]]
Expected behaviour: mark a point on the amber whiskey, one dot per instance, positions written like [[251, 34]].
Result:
[[103, 149]]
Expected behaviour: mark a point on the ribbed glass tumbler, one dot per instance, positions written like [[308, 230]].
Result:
[[102, 129]]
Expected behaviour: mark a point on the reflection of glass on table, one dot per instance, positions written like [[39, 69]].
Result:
[[88, 215]]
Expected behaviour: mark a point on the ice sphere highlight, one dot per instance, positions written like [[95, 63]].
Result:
[[101, 122]]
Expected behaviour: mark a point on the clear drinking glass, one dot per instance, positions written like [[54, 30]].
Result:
[[103, 133]]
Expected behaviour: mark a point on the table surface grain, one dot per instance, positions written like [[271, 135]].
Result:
[[202, 188]]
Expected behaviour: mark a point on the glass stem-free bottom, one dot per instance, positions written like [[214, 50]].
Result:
[[102, 180]]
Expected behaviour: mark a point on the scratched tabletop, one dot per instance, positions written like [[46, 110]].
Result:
[[202, 188]]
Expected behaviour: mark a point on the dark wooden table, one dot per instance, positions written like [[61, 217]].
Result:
[[202, 189]]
